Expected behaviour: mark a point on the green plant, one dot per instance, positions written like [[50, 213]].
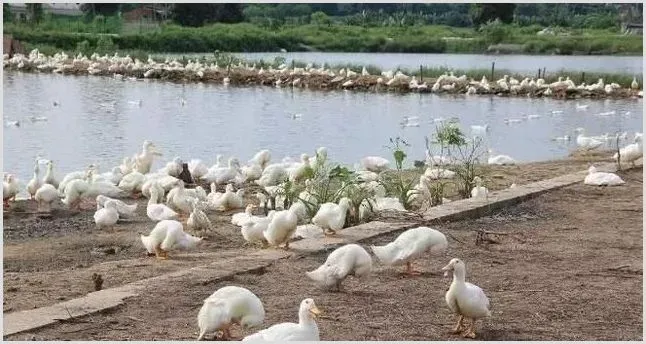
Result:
[[395, 184]]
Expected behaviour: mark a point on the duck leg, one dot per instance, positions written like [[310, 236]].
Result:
[[226, 333], [458, 327], [329, 232], [410, 271], [471, 331], [160, 254]]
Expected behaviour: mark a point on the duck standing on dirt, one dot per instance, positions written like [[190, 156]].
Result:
[[227, 306], [156, 211], [35, 183], [465, 299], [10, 189], [45, 196], [350, 259], [168, 235], [410, 245], [125, 210], [106, 216]]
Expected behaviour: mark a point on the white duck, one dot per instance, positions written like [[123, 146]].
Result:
[[409, 246], [499, 159], [587, 143], [156, 211], [100, 187], [75, 191], [10, 189], [223, 175], [45, 196], [374, 164], [198, 221], [602, 178], [168, 235], [227, 306], [261, 158], [144, 160], [251, 172], [630, 153], [281, 228], [229, 200], [113, 176], [197, 168], [350, 259], [35, 182], [305, 330], [300, 171], [127, 165], [49, 175], [239, 218], [179, 199], [132, 183], [331, 216], [174, 168], [273, 175], [479, 191], [253, 229], [465, 299], [125, 210], [106, 216]]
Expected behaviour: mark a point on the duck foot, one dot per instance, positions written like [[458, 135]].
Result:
[[329, 232], [459, 327], [410, 271]]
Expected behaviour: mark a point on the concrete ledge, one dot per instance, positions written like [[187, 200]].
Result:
[[16, 322]]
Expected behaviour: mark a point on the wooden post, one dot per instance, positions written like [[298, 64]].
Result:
[[421, 73], [582, 77], [539, 74], [493, 66], [543, 72]]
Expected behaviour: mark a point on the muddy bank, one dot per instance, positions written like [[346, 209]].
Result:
[[563, 270], [290, 78]]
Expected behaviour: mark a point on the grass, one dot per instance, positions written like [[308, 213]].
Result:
[[246, 37]]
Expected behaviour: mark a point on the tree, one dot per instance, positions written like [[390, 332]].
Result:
[[6, 13], [203, 13], [486, 12], [320, 18], [34, 12]]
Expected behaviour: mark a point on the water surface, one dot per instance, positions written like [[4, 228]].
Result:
[[100, 121]]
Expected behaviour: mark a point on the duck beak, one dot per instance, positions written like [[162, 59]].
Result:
[[315, 311], [447, 269]]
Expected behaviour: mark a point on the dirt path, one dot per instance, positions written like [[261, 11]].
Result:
[[569, 268]]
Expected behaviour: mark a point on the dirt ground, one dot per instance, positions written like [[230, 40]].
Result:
[[569, 267], [50, 259]]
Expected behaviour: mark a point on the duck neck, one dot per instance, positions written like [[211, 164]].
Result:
[[459, 275], [305, 318]]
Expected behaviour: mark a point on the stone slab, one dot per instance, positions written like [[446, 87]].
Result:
[[94, 302]]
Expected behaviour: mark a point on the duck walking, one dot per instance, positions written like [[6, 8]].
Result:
[[465, 299]]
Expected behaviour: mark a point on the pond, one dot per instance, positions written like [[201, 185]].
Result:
[[100, 120], [523, 64]]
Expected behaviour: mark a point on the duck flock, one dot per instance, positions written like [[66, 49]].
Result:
[[237, 305], [308, 76], [170, 204]]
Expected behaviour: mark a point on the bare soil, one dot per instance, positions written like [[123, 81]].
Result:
[[568, 267]]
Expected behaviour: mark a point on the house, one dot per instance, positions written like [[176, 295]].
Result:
[[147, 13]]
